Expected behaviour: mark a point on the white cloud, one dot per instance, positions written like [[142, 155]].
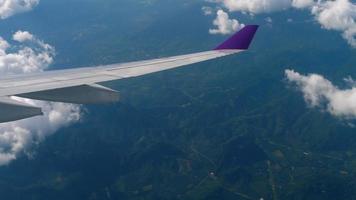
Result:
[[22, 36], [224, 24], [320, 92], [338, 15], [11, 7], [264, 6], [207, 10], [256, 6], [269, 20], [303, 3], [17, 137], [25, 59]]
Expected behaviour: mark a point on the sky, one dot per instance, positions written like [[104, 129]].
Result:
[[27, 53]]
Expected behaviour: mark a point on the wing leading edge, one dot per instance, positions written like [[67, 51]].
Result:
[[80, 85]]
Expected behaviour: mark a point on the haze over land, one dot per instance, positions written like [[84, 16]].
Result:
[[275, 122]]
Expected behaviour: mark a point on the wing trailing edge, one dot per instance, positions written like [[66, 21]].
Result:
[[12, 110], [83, 94]]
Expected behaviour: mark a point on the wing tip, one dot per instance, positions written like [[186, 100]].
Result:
[[240, 40]]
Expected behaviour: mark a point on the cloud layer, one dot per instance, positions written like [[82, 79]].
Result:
[[320, 92], [27, 55], [264, 6], [256, 6], [338, 15], [302, 3], [11, 7], [225, 25], [15, 59]]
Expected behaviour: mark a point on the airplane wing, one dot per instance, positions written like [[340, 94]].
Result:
[[81, 86]]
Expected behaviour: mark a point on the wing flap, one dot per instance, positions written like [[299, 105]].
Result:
[[83, 94], [12, 110]]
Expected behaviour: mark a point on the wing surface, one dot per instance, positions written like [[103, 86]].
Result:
[[80, 85]]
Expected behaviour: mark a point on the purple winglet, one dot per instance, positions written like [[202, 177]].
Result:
[[241, 39]]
